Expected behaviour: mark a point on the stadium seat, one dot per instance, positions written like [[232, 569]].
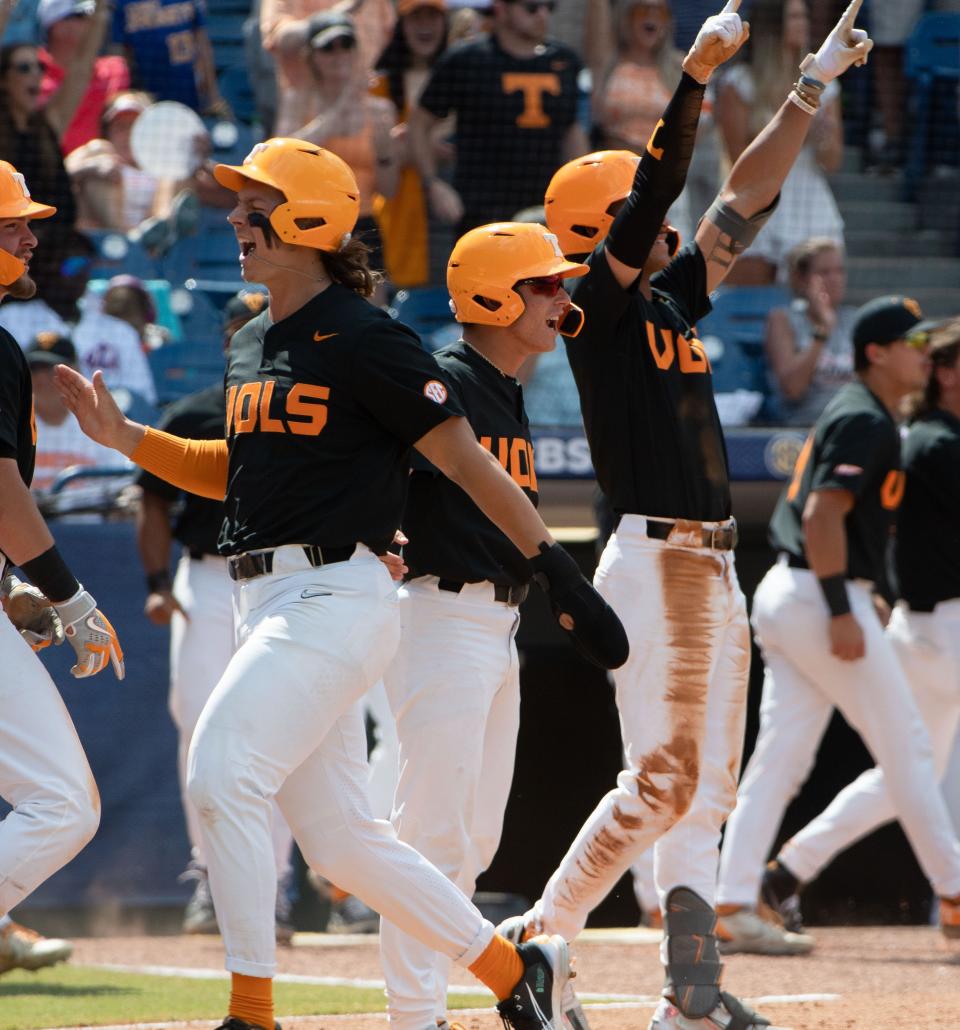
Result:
[[424, 310], [182, 368], [237, 90], [116, 255], [200, 318], [932, 52], [740, 315]]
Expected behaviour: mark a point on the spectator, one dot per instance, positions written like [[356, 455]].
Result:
[[468, 19], [808, 343], [586, 26], [416, 246], [74, 33], [61, 443], [349, 121], [515, 97], [61, 270], [168, 48], [127, 298], [284, 30], [748, 96], [19, 22]]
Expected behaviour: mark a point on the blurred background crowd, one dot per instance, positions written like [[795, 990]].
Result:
[[115, 112]]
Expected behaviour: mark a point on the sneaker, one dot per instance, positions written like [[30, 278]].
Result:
[[729, 1013], [21, 948], [351, 915], [778, 890], [950, 917], [235, 1023], [535, 1003], [745, 931], [199, 916]]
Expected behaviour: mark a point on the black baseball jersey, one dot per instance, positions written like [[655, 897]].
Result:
[[512, 115], [646, 392], [18, 428], [322, 410], [449, 536], [201, 416], [927, 547], [853, 446]]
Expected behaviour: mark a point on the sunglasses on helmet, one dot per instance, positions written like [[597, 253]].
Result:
[[544, 285], [917, 340]]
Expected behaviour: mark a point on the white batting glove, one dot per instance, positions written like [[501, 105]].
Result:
[[32, 614], [844, 46], [90, 635], [719, 38]]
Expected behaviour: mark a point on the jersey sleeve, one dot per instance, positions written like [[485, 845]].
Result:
[[685, 280], [603, 301], [400, 384], [11, 371], [439, 95], [937, 466], [853, 450]]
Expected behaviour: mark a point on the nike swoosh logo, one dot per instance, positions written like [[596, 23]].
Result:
[[320, 337], [308, 593]]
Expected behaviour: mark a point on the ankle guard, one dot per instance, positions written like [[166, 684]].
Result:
[[742, 1018], [693, 963]]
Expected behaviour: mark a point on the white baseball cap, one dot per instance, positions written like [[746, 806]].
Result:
[[51, 11]]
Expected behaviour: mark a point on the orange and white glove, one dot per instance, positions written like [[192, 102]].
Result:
[[843, 47], [31, 613], [719, 38], [90, 635]]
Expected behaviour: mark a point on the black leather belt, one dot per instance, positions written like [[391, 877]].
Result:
[[260, 563], [795, 561], [720, 538], [513, 596]]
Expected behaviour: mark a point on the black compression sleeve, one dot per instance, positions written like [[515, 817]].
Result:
[[49, 572], [660, 176]]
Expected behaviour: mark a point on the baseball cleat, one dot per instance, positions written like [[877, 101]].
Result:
[[950, 917], [536, 1001], [745, 931], [778, 889], [519, 929], [236, 1023], [199, 916], [22, 948], [730, 1014]]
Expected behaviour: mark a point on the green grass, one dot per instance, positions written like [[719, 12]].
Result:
[[76, 995]]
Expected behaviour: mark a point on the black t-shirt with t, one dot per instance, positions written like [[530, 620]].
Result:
[[200, 416], [646, 392], [449, 536], [18, 429], [512, 115], [855, 446], [322, 410], [927, 548]]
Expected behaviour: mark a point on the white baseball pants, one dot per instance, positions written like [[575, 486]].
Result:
[[285, 721], [454, 687], [802, 685], [44, 775], [928, 646], [682, 698]]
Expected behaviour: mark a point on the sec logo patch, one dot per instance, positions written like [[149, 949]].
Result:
[[436, 391]]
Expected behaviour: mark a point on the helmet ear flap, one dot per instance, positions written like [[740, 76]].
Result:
[[672, 239]]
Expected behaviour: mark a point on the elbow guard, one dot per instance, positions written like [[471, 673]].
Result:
[[740, 231]]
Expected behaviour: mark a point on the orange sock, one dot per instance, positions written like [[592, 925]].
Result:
[[251, 998], [499, 967]]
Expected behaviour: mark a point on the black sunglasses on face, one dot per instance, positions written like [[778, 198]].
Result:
[[27, 67]]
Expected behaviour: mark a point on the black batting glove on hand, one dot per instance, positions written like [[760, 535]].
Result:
[[593, 625]]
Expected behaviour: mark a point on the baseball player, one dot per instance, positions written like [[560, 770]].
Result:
[[198, 607], [454, 684], [326, 394], [850, 457], [44, 775], [658, 450]]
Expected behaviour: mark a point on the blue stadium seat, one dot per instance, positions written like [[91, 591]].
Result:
[[182, 368], [932, 52], [200, 318], [116, 255], [237, 90], [740, 315], [424, 310]]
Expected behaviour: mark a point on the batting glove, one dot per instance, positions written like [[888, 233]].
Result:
[[719, 38], [90, 635], [844, 46], [593, 625], [31, 613]]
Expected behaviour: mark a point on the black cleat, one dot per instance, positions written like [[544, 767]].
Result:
[[780, 889], [536, 1002], [235, 1023]]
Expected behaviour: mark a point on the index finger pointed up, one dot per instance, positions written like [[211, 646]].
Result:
[[732, 6], [850, 14]]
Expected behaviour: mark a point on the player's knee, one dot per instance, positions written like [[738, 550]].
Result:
[[87, 818]]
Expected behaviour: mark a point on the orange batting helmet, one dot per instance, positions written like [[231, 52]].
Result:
[[15, 202], [488, 262], [319, 187]]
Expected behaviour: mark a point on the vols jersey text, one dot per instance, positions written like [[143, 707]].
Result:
[[252, 408]]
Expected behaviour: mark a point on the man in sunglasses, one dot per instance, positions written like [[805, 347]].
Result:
[[454, 682], [514, 93], [668, 569], [824, 644]]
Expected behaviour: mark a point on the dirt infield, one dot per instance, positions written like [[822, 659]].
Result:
[[876, 978]]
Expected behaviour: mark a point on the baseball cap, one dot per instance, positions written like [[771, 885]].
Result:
[[406, 6], [885, 319], [50, 348], [325, 28], [244, 304], [124, 103], [51, 11]]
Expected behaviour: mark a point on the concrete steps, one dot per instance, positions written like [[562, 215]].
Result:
[[935, 302], [854, 186], [912, 243], [887, 215], [897, 275]]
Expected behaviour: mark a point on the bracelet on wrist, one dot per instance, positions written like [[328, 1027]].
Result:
[[158, 582], [834, 590]]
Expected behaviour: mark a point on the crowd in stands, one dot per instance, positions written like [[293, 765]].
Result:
[[452, 113]]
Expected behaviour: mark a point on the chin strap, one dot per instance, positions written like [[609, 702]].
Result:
[[11, 268]]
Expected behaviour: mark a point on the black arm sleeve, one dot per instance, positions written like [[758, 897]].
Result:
[[660, 176]]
